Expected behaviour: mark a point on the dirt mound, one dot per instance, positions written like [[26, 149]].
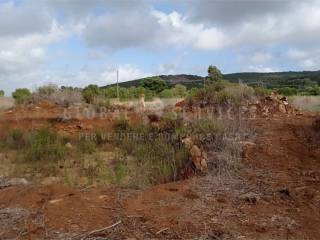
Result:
[[271, 105]]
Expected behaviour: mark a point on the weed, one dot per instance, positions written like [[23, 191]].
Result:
[[43, 145], [86, 146], [121, 124], [16, 139]]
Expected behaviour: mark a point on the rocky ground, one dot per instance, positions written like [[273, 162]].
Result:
[[276, 195]]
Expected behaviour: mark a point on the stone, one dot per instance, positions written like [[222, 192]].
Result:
[[282, 108], [68, 145], [18, 181], [199, 158]]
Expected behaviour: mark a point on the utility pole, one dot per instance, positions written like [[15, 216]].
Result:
[[118, 84]]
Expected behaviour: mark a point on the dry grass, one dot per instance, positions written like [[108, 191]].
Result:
[[310, 103]]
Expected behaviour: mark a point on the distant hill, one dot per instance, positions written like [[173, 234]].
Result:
[[269, 80], [185, 79]]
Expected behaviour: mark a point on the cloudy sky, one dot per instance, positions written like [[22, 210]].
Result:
[[78, 42]]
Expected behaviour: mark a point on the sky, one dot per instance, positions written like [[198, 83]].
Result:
[[81, 42]]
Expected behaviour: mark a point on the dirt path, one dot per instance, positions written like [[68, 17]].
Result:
[[276, 196]]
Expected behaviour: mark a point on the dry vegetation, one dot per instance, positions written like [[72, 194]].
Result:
[[221, 164]]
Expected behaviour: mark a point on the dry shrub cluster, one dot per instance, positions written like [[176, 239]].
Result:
[[221, 93], [61, 96]]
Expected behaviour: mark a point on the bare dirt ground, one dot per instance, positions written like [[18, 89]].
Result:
[[275, 196]]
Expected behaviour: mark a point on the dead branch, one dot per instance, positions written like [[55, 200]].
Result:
[[86, 235]]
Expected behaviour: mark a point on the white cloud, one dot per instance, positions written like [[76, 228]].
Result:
[[180, 32], [307, 59], [261, 68], [16, 21], [26, 52]]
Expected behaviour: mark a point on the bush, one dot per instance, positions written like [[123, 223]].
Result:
[[1, 93], [86, 146], [160, 158], [167, 93], [90, 92], [43, 145], [155, 84], [221, 92], [214, 74], [261, 91], [21, 95], [287, 91], [48, 90], [313, 91], [121, 124], [16, 139]]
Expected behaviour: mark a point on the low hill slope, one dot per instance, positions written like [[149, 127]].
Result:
[[271, 80]]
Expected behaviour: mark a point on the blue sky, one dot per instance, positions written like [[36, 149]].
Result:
[[81, 42]]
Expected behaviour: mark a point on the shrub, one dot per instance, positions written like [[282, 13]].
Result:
[[16, 138], [121, 124], [90, 92], [180, 90], [313, 91], [155, 84], [43, 145], [261, 91], [21, 95], [1, 93], [237, 93], [47, 90], [214, 74], [287, 91], [159, 157], [221, 92], [170, 121], [86, 146], [167, 93]]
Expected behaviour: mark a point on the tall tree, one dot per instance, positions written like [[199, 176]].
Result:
[[154, 84], [214, 74]]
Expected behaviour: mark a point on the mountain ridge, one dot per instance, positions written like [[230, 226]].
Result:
[[269, 79]]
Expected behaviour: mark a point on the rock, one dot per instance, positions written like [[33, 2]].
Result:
[[282, 108], [68, 145], [284, 99], [18, 181], [199, 158]]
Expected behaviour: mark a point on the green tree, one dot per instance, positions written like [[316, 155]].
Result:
[[1, 93], [47, 90], [314, 91], [287, 91], [167, 93], [214, 74], [21, 95], [90, 92], [155, 84], [180, 90]]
